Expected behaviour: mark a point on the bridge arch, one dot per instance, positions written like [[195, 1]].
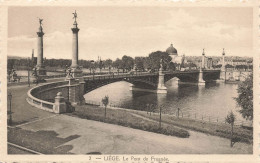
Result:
[[91, 85], [184, 77]]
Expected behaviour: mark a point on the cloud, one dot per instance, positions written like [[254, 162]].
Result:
[[188, 33]]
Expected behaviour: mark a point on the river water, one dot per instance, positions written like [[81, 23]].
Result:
[[211, 102]]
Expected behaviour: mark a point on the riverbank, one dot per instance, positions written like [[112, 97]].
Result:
[[123, 118], [241, 134], [149, 122]]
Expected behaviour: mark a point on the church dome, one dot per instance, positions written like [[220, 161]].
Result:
[[171, 50]]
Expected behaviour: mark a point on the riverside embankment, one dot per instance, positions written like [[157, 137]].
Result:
[[171, 125]]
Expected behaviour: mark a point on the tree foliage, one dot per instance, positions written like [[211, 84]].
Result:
[[245, 98], [139, 61], [127, 63], [155, 58], [105, 102], [230, 119]]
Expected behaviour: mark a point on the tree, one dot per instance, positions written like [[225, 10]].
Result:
[[155, 58], [139, 61], [245, 98], [117, 63], [230, 119], [105, 102], [172, 66], [127, 63], [108, 63]]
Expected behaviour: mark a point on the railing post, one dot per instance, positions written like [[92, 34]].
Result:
[[59, 105]]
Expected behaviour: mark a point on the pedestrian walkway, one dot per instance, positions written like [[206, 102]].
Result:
[[105, 138]]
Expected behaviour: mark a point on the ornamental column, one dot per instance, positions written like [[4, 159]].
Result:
[[75, 69], [40, 71], [161, 87], [75, 46], [203, 60], [223, 69], [74, 73]]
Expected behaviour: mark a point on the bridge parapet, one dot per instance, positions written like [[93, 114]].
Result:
[[45, 96], [37, 96]]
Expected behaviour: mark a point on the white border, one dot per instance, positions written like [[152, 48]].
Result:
[[176, 3]]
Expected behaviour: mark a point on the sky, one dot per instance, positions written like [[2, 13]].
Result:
[[111, 32]]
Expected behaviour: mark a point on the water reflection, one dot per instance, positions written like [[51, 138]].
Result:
[[214, 99]]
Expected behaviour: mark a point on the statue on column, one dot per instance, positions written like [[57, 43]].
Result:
[[161, 65], [40, 21], [69, 73], [75, 17]]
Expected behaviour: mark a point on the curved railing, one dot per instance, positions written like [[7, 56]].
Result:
[[40, 103]]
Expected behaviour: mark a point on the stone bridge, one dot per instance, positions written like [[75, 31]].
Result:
[[53, 96], [151, 80], [58, 96]]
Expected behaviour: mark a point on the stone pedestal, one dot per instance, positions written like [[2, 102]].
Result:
[[223, 75], [161, 87], [77, 73], [177, 81], [200, 80], [76, 91], [60, 105], [131, 87]]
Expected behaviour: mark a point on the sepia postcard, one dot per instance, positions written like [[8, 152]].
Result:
[[129, 81]]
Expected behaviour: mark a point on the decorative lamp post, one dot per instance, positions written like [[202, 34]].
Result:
[[109, 69], [135, 68], [65, 71], [28, 72], [100, 65], [160, 116], [92, 67], [10, 107]]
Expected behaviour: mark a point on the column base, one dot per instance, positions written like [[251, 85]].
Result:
[[41, 71], [220, 81], [162, 89], [76, 72], [201, 82], [131, 87]]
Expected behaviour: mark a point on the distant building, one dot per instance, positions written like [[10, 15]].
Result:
[[177, 60]]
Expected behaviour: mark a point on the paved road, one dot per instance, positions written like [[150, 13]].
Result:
[[93, 136], [22, 112], [14, 150]]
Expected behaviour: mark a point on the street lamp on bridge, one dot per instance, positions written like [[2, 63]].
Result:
[[28, 67], [92, 67], [10, 108]]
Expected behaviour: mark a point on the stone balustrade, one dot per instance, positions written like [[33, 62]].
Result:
[[53, 97]]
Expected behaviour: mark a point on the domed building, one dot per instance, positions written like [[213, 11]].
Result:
[[177, 60], [171, 50]]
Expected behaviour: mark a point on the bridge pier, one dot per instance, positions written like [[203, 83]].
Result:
[[76, 91], [200, 80], [161, 87], [223, 68]]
